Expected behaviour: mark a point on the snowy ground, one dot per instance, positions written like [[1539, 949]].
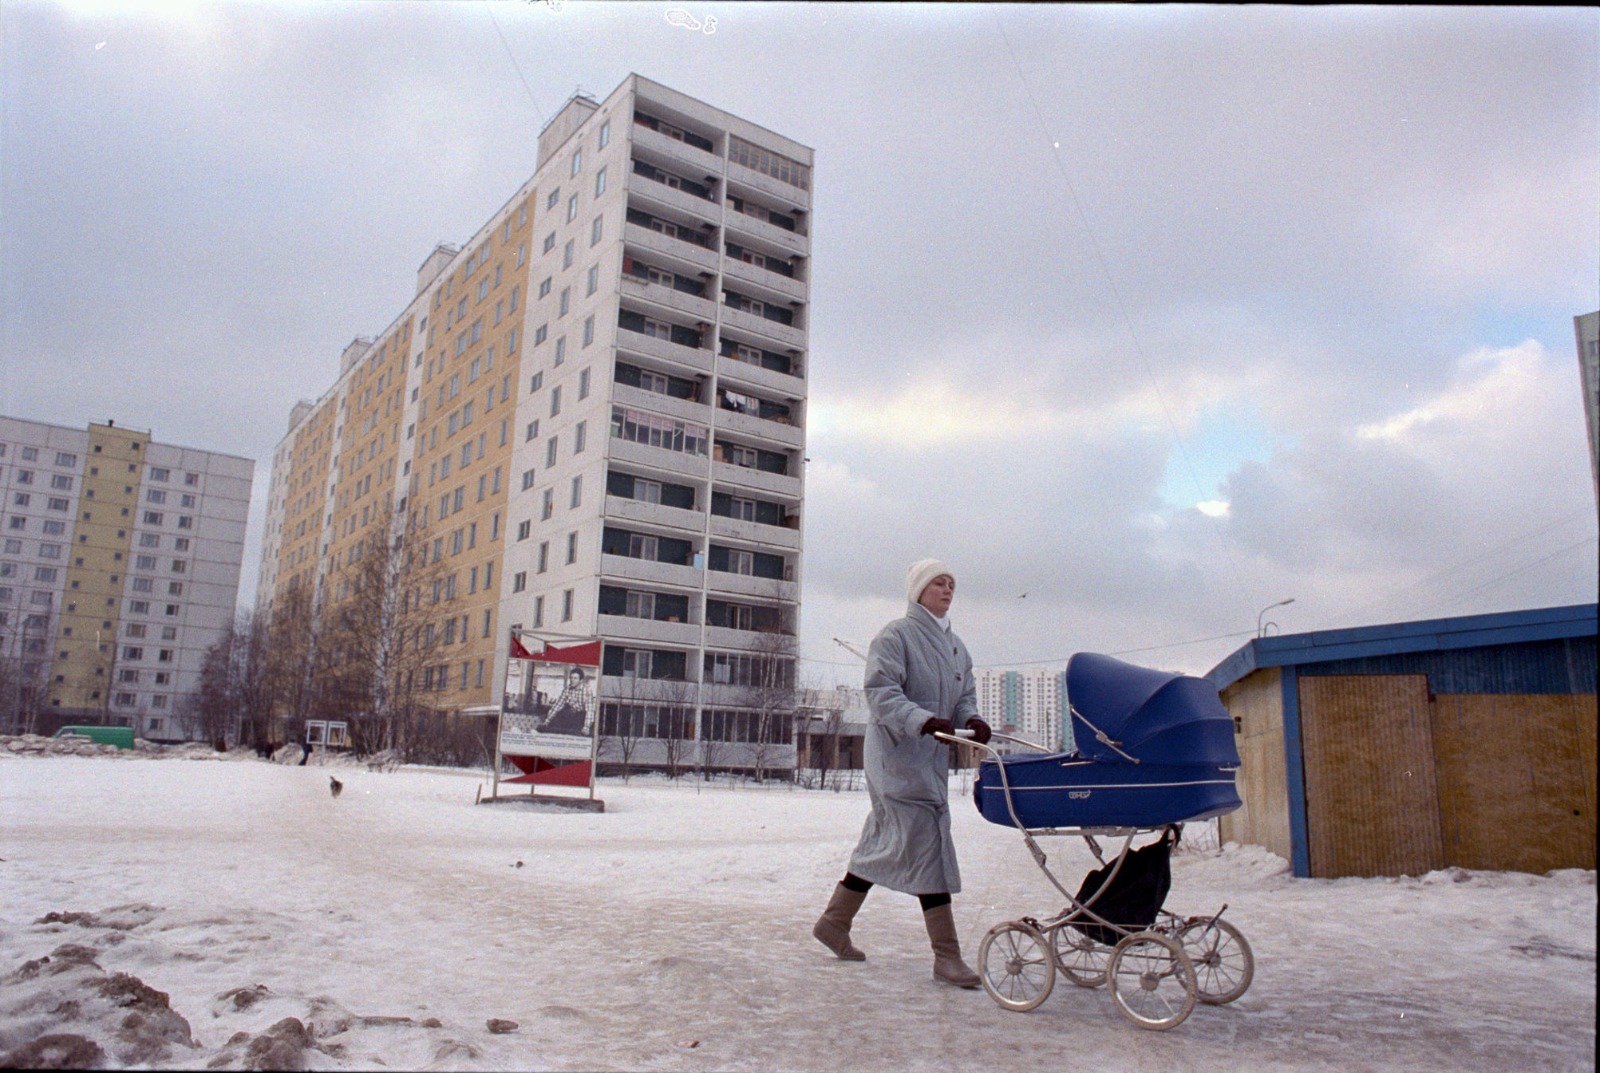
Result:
[[673, 933]]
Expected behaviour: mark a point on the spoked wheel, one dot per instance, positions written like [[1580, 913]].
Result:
[[1078, 957], [1151, 981], [1223, 963], [1016, 965]]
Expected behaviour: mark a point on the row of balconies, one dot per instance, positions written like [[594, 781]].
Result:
[[695, 154]]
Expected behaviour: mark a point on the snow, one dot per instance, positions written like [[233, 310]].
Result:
[[672, 932]]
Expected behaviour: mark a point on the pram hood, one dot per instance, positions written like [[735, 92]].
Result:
[[1154, 716]]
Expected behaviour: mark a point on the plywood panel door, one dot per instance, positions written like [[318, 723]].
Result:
[[1371, 792], [1516, 781]]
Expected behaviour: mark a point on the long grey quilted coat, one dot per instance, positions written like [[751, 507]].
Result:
[[916, 670]]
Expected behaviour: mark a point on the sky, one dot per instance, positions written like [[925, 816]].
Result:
[[1143, 318], [397, 921]]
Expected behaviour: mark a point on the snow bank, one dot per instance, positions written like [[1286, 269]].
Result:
[[234, 916]]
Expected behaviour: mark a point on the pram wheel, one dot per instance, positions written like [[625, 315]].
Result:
[[1223, 963], [1016, 965], [1151, 980], [1078, 957]]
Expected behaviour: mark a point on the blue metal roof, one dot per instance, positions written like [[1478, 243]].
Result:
[[1401, 647]]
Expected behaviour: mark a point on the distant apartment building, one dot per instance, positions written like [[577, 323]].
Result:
[[1587, 329], [589, 421], [1029, 702], [119, 567]]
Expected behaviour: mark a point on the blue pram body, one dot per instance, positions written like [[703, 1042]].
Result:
[[1153, 748]]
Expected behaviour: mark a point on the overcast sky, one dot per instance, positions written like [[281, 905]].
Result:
[[1142, 317]]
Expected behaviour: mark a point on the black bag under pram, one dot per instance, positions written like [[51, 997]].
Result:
[[1129, 891]]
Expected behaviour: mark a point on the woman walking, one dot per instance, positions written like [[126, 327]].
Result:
[[918, 683]]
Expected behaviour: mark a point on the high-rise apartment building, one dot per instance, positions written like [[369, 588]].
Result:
[[119, 568], [1587, 329], [589, 421], [1031, 702]]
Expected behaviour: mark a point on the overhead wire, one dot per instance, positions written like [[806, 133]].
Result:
[[1116, 296], [489, 7]]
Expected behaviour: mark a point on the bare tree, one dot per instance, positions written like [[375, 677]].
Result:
[[770, 693], [24, 667], [234, 698], [677, 724], [621, 722]]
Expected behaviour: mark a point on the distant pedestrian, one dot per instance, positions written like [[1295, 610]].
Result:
[[305, 752], [919, 682]]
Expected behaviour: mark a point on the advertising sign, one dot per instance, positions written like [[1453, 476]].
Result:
[[547, 721]]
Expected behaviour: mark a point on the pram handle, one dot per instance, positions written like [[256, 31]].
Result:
[[963, 736]]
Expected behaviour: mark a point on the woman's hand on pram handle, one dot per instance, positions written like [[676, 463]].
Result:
[[938, 726], [979, 730]]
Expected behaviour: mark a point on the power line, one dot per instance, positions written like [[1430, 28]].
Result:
[[1116, 295], [487, 6]]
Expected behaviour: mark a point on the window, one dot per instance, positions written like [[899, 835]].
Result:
[[583, 381], [588, 329], [553, 200], [572, 548], [577, 161], [550, 451], [591, 284], [596, 230], [555, 400], [533, 431], [65, 459], [642, 546], [544, 556], [561, 350], [61, 482], [157, 473], [640, 605], [550, 242], [579, 435], [524, 529], [519, 581], [544, 285], [566, 606], [577, 490], [599, 182], [566, 302], [572, 208], [527, 479], [657, 431], [548, 506], [605, 134], [538, 611]]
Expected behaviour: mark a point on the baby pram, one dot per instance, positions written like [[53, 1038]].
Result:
[[1155, 750]]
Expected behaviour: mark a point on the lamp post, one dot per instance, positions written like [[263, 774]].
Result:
[[1260, 628]]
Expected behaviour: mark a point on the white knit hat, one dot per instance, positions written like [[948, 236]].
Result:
[[923, 571]]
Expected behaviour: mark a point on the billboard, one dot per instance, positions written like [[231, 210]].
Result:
[[547, 719]]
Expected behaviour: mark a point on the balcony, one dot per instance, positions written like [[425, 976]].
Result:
[[754, 376], [762, 428], [698, 359], [642, 238], [760, 480], [655, 514], [697, 309], [660, 459], [623, 629], [788, 287], [782, 191], [734, 223], [743, 640], [774, 536], [679, 155], [784, 334], [765, 588], [655, 402], [650, 192], [623, 568]]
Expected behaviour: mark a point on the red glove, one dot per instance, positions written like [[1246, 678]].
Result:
[[938, 726], [980, 731]]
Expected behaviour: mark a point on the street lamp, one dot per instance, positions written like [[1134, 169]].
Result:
[[1259, 627]]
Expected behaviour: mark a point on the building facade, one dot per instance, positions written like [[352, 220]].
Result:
[[119, 568], [1030, 703], [1587, 329], [589, 421]]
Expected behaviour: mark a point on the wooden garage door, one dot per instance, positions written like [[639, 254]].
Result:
[[1371, 794], [1516, 781]]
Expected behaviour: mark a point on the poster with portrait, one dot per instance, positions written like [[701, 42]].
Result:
[[550, 701]]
